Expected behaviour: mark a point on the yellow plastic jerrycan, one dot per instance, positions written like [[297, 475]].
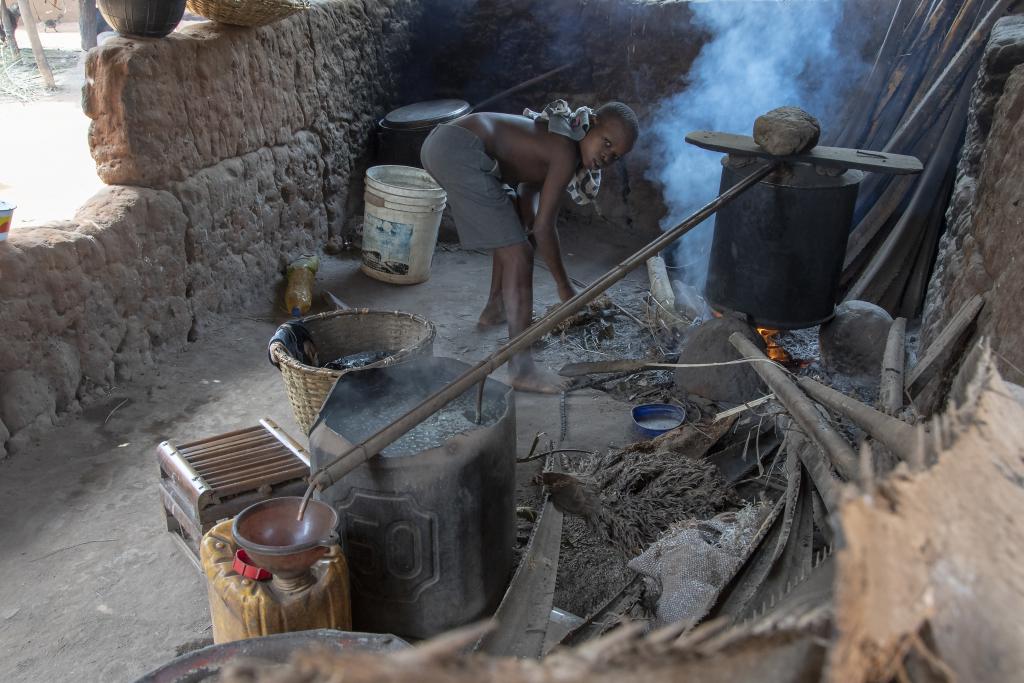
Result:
[[243, 607]]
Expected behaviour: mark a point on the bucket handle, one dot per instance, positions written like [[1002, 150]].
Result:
[[371, 198]]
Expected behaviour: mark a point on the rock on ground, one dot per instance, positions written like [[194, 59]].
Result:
[[709, 343], [786, 130], [853, 342]]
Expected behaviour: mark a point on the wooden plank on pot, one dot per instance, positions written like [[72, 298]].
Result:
[[831, 157]]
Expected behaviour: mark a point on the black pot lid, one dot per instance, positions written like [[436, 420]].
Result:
[[423, 114]]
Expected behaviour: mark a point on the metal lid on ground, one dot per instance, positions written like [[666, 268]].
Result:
[[425, 114]]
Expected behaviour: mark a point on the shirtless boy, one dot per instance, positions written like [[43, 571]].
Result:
[[475, 157]]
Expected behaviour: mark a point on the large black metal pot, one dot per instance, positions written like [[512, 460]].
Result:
[[145, 18], [401, 133], [778, 249]]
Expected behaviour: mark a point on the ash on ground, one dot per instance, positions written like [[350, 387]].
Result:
[[606, 332]]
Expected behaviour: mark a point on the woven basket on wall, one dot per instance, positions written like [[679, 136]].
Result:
[[341, 333], [246, 12]]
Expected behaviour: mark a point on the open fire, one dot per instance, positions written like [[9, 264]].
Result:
[[775, 350]]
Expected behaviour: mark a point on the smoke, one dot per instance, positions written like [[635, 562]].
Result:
[[762, 54]]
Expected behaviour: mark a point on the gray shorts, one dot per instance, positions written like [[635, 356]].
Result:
[[485, 216]]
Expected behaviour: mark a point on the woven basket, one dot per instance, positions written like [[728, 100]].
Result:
[[340, 333], [246, 12]]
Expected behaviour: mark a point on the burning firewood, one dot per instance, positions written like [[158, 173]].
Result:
[[803, 410], [926, 581]]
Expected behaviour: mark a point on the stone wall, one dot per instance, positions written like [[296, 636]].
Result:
[[229, 151], [985, 221]]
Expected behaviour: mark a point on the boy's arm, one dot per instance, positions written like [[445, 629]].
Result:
[[560, 172]]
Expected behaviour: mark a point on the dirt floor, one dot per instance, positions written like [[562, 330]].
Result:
[[95, 589]]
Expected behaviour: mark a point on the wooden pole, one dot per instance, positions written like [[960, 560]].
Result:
[[945, 86], [360, 453], [816, 464], [898, 436], [37, 47], [884, 266], [890, 393], [939, 355], [87, 28], [801, 408], [522, 86], [8, 21], [862, 106]]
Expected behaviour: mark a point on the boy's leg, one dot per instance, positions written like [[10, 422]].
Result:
[[494, 311], [516, 263]]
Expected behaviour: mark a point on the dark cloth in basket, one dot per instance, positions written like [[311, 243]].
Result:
[[295, 338]]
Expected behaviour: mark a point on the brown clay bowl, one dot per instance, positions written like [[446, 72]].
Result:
[[280, 543]]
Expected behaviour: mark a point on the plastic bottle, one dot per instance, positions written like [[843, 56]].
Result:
[[298, 296]]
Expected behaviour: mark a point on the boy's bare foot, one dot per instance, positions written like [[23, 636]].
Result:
[[537, 381], [493, 314]]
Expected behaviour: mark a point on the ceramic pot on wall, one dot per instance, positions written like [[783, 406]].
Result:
[[145, 18]]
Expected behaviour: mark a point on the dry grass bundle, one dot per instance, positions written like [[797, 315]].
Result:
[[647, 487], [650, 493]]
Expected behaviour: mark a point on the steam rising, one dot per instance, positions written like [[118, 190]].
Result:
[[762, 54]]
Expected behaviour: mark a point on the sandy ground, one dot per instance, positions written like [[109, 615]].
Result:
[[45, 166], [94, 588], [47, 170]]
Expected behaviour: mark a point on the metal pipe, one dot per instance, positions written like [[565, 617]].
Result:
[[358, 454]]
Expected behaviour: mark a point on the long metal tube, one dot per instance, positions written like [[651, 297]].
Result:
[[358, 454]]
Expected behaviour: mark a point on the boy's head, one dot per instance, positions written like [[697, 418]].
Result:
[[611, 137]]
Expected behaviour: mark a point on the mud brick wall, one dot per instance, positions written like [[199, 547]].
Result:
[[982, 251], [229, 151]]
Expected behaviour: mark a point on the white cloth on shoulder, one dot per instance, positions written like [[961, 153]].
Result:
[[563, 120]]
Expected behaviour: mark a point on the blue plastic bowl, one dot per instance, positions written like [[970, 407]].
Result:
[[653, 419]]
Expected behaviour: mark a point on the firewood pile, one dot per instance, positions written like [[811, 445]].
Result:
[[914, 101], [889, 557], [923, 583]]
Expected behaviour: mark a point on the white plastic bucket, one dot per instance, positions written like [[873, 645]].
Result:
[[403, 213]]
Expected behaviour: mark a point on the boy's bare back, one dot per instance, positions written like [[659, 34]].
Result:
[[525, 150]]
